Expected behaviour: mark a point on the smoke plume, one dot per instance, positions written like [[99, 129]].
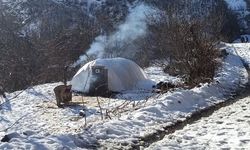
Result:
[[134, 27]]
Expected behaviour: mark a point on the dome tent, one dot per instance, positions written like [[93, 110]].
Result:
[[121, 75]]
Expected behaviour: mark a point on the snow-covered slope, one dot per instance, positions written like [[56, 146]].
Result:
[[32, 120], [227, 128], [33, 12], [243, 50]]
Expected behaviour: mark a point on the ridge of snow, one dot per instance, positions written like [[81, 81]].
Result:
[[226, 128]]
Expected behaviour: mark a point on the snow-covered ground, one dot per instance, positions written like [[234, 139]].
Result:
[[227, 128], [243, 50], [33, 121]]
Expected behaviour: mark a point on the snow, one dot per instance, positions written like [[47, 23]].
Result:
[[33, 120], [237, 4], [243, 50], [227, 128], [123, 74]]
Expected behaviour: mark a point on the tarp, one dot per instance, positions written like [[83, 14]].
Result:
[[123, 74]]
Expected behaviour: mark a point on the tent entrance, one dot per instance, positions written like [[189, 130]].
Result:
[[99, 84]]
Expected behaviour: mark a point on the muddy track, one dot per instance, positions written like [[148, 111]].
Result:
[[159, 135]]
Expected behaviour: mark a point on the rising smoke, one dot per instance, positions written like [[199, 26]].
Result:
[[134, 27]]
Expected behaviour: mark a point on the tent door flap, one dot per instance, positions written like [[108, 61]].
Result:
[[99, 84]]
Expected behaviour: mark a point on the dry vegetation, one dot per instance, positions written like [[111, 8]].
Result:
[[186, 46]]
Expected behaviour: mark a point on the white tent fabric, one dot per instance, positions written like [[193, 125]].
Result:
[[123, 74]]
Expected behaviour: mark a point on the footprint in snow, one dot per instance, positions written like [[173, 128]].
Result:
[[219, 122], [240, 120], [223, 142], [230, 123], [248, 122], [221, 133], [245, 141], [244, 109], [241, 134]]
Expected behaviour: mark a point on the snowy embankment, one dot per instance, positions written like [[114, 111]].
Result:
[[32, 120], [175, 106], [227, 128], [243, 50]]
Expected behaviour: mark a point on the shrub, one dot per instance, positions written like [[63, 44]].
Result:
[[186, 45]]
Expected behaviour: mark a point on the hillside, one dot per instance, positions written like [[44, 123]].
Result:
[[52, 34], [30, 118], [190, 58]]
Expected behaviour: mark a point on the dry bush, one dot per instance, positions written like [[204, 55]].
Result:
[[185, 45], [192, 53]]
